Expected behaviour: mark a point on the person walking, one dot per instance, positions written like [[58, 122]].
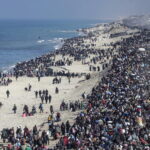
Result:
[[49, 98], [42, 99], [14, 108], [63, 128], [39, 78], [46, 99], [51, 109], [8, 93], [41, 107], [36, 94], [56, 90]]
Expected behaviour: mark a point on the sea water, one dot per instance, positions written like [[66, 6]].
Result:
[[22, 40]]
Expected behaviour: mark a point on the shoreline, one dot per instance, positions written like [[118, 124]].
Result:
[[80, 32], [53, 40], [89, 55]]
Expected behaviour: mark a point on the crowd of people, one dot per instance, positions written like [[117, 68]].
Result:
[[73, 106], [5, 81], [43, 95], [116, 113], [22, 136], [74, 49]]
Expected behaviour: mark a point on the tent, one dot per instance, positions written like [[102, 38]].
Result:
[[142, 49]]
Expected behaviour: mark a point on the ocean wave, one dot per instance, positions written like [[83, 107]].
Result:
[[59, 42], [96, 24], [40, 41], [68, 31], [56, 40], [53, 41], [7, 69], [81, 33]]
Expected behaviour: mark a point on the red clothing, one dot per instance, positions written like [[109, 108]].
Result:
[[65, 139]]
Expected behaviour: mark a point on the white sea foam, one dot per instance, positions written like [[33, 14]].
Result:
[[41, 41], [7, 69], [94, 24], [59, 42], [80, 33], [56, 40], [68, 31], [50, 40]]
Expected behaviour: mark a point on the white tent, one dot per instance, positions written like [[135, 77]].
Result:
[[142, 49]]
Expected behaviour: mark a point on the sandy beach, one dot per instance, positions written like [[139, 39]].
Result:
[[67, 91]]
